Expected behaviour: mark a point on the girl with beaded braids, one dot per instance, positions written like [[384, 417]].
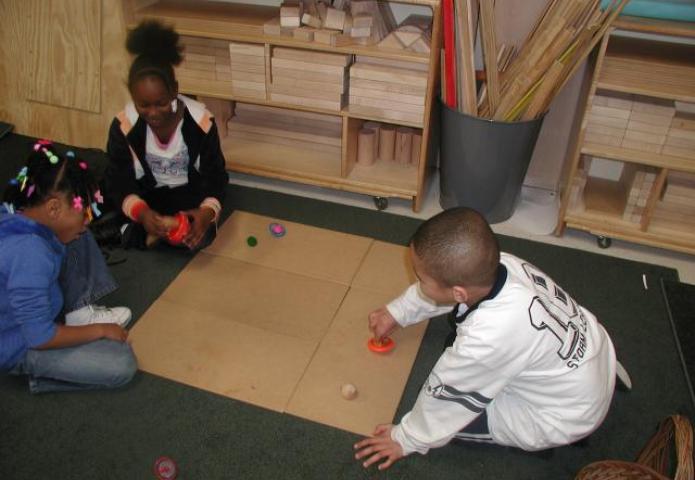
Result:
[[164, 148], [49, 264]]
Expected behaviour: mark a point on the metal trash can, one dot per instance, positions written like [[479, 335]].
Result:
[[483, 162]]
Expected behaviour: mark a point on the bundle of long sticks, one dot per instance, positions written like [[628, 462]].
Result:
[[521, 85]]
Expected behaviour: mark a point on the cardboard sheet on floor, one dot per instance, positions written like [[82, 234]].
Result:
[[217, 354], [281, 327], [310, 251], [343, 358]]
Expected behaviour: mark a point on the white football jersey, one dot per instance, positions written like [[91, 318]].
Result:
[[540, 365]]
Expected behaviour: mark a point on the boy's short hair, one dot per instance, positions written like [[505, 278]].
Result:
[[458, 248]]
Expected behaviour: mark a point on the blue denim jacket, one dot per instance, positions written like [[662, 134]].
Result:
[[30, 296]]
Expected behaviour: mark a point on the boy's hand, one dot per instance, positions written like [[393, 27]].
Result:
[[201, 220], [382, 323], [153, 223], [378, 447], [113, 332]]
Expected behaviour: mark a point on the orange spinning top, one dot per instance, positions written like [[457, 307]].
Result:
[[381, 346]]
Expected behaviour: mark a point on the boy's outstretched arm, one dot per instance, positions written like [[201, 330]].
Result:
[[379, 446]]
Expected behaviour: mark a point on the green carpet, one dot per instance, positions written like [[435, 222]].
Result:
[[119, 434]]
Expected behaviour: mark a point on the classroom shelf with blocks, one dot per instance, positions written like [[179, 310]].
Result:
[[631, 170], [348, 111]]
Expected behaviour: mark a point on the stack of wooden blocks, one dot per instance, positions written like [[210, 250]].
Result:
[[205, 60], [388, 143], [309, 79], [413, 34], [247, 70], [640, 189], [678, 201], [388, 89], [628, 121], [680, 139], [371, 21], [290, 128]]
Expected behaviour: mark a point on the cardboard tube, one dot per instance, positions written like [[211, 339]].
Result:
[[387, 142], [415, 148], [404, 140], [365, 147]]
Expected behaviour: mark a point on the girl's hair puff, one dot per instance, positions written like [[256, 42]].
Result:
[[157, 50], [46, 173]]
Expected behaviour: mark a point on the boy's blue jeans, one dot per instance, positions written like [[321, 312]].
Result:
[[85, 278]]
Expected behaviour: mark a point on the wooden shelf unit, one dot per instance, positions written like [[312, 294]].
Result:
[[655, 73], [244, 23]]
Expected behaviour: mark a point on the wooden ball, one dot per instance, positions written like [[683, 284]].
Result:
[[348, 391]]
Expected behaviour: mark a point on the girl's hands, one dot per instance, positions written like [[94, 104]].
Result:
[[379, 447], [201, 218]]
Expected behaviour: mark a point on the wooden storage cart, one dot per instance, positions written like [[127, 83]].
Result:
[[203, 23], [639, 115]]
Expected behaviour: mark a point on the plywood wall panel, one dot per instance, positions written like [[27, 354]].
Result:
[[20, 22]]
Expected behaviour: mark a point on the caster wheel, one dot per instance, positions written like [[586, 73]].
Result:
[[381, 203], [603, 242]]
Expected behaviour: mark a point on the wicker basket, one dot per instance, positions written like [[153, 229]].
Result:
[[653, 461]]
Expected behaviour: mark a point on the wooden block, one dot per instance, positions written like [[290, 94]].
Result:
[[366, 139], [236, 58], [387, 143], [636, 126], [362, 20], [403, 145], [621, 101], [247, 76], [610, 112], [650, 118], [305, 34], [272, 27], [595, 119], [338, 79], [290, 22], [246, 49], [364, 32], [296, 132], [200, 66], [681, 133], [391, 42], [332, 38], [602, 139], [415, 149], [680, 142], [654, 106], [685, 107], [307, 92], [306, 102], [645, 137], [307, 84], [641, 146], [390, 96], [308, 66], [389, 74], [310, 56], [335, 19], [195, 57], [683, 121], [678, 151], [247, 67], [319, 121], [244, 85], [603, 130], [407, 36], [376, 127], [390, 115], [388, 87], [390, 62], [386, 104], [420, 46]]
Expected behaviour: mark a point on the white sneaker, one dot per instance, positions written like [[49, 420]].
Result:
[[98, 314]]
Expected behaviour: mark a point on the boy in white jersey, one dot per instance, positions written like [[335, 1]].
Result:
[[528, 367]]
